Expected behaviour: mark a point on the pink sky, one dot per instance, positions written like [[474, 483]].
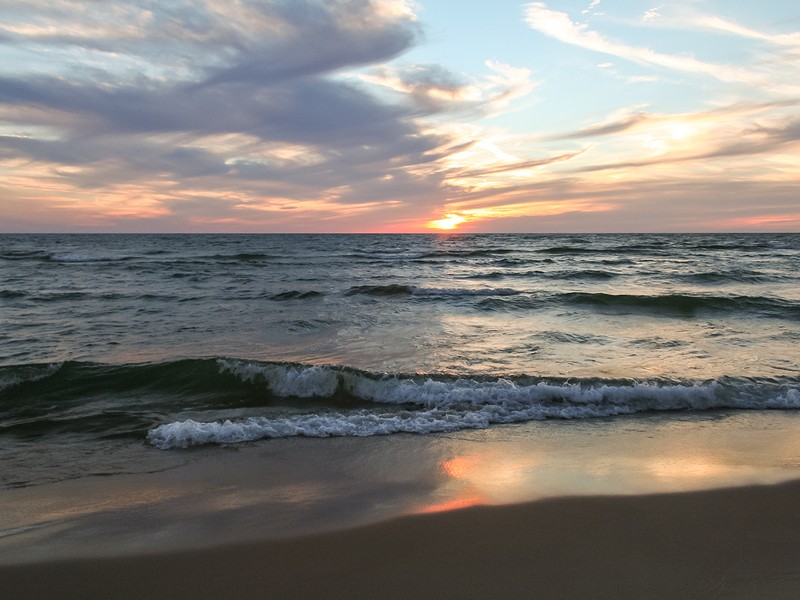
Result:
[[392, 116]]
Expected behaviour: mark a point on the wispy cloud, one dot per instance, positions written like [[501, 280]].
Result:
[[628, 119], [590, 9], [436, 89], [560, 26], [652, 13], [687, 19]]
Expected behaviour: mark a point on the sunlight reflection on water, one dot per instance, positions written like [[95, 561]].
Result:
[[642, 454]]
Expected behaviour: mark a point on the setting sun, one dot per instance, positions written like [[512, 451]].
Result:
[[449, 222]]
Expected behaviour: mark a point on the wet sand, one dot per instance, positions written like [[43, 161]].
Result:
[[730, 543], [670, 506]]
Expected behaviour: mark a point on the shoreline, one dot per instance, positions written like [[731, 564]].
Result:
[[732, 543], [284, 489]]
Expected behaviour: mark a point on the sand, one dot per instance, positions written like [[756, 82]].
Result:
[[727, 543]]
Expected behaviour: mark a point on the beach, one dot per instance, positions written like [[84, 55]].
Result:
[[484, 416], [671, 506], [344, 299], [732, 543]]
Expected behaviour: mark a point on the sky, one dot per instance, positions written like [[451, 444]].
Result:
[[399, 116]]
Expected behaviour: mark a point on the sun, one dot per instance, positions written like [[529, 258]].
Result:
[[448, 222]]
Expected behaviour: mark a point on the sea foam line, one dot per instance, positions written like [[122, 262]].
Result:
[[426, 405]]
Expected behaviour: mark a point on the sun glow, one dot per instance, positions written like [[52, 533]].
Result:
[[448, 222]]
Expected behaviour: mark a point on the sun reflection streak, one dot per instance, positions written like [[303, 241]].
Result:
[[537, 462], [492, 477], [678, 468], [456, 504]]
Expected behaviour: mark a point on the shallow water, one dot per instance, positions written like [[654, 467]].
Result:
[[212, 496]]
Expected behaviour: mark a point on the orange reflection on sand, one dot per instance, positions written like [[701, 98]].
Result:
[[492, 477], [688, 468], [455, 504], [460, 466]]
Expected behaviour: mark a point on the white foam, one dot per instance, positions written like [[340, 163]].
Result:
[[286, 380], [427, 405]]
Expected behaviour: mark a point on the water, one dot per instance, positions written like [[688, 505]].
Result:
[[115, 349]]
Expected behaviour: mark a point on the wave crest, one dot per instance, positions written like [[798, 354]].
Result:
[[430, 404]]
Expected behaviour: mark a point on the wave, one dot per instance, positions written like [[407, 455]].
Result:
[[394, 289], [226, 400], [733, 276], [241, 257], [687, 304], [491, 298], [516, 262], [15, 375], [87, 258], [65, 296], [468, 253], [583, 275], [61, 257], [491, 275], [384, 254], [757, 246], [149, 257], [428, 404], [655, 248], [635, 249], [670, 304], [296, 295], [573, 250], [576, 275], [24, 255]]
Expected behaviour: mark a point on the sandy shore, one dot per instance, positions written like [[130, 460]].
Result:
[[731, 543]]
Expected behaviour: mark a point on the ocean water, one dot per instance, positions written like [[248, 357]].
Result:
[[115, 349]]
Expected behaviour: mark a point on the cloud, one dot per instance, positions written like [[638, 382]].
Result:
[[309, 38], [652, 13], [520, 165], [245, 110], [430, 88], [569, 204], [558, 25], [637, 155], [260, 114], [436, 89], [300, 115], [223, 37], [277, 86], [594, 4], [685, 18], [633, 118], [747, 142], [616, 125]]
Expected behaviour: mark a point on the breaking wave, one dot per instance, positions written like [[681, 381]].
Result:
[[193, 402], [349, 402]]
